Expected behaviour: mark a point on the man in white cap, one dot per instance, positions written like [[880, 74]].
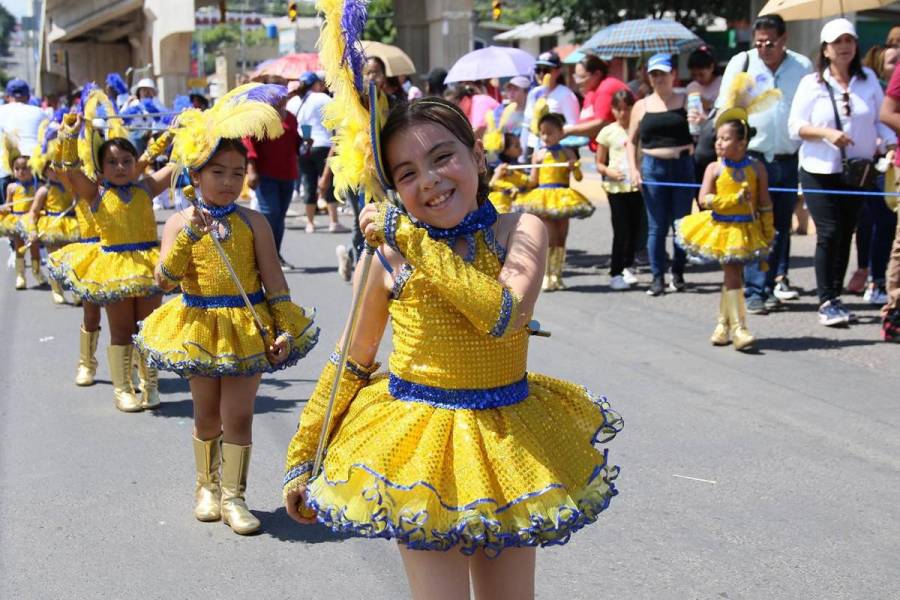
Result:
[[21, 119], [142, 90]]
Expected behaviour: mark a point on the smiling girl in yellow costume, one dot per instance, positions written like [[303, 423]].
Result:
[[453, 447], [18, 201], [208, 334]]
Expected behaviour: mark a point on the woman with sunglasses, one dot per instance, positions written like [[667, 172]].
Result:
[[844, 86]]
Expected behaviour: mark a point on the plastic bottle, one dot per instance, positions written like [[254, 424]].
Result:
[[695, 105]]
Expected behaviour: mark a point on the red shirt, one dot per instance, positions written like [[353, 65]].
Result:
[[598, 103], [277, 158], [893, 90]]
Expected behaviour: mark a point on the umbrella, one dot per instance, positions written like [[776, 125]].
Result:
[[289, 66], [396, 61], [491, 62], [798, 10], [642, 36]]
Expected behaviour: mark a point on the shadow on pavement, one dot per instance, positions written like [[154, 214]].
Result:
[[280, 526], [800, 344], [184, 409]]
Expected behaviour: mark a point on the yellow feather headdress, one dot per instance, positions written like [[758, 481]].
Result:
[[97, 104], [741, 100], [540, 110], [39, 158], [493, 135], [9, 150]]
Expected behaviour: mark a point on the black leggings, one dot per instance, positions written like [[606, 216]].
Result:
[[626, 211], [835, 217], [312, 166]]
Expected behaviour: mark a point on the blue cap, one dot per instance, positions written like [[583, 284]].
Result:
[[18, 87], [660, 62], [308, 78]]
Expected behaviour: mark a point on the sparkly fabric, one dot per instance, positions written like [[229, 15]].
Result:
[[506, 189], [22, 196], [553, 198], [87, 226], [474, 399], [209, 331], [729, 232], [438, 477], [57, 224]]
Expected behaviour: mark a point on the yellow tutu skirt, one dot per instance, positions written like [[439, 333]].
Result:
[[554, 203], [62, 262], [50, 229], [526, 474], [9, 224], [218, 342], [726, 242], [101, 277], [502, 200]]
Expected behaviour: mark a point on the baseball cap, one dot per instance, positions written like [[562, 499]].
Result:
[[548, 59], [660, 62], [18, 88], [835, 29], [520, 81], [308, 78]]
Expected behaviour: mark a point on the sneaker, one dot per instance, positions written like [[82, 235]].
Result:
[[756, 306], [772, 303], [677, 283], [338, 228], [657, 286], [851, 316], [890, 326], [629, 277], [618, 283], [310, 228], [831, 315], [783, 290], [285, 265], [857, 282], [345, 263], [876, 295]]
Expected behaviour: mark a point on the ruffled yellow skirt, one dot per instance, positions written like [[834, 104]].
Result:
[[502, 200], [554, 203], [50, 229], [725, 242], [218, 342], [433, 478], [102, 277], [9, 224]]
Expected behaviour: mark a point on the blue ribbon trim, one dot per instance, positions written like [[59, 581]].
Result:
[[135, 247], [194, 301], [505, 314], [90, 240], [481, 218], [56, 213], [458, 399], [732, 218], [552, 186]]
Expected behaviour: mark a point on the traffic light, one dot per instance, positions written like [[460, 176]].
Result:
[[292, 11], [496, 9]]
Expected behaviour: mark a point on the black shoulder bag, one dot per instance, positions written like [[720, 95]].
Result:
[[856, 173]]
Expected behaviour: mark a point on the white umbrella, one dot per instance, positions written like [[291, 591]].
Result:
[[491, 62], [799, 10]]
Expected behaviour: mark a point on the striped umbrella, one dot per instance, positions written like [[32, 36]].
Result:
[[642, 36]]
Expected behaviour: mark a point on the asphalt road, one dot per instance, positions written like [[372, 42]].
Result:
[[763, 476]]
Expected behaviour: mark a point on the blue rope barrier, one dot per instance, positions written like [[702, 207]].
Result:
[[776, 189]]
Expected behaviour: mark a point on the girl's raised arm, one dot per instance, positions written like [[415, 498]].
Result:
[[525, 264]]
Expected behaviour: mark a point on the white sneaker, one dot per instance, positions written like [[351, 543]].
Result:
[[783, 291], [618, 283], [876, 296], [345, 264], [629, 277]]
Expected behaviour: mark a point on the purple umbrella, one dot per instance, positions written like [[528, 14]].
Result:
[[491, 62]]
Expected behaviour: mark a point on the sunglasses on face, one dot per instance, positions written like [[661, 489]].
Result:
[[768, 44], [541, 70]]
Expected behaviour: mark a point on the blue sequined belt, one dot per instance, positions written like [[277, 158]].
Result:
[[551, 186], [194, 301], [19, 212], [732, 218], [472, 399], [56, 213], [90, 240], [130, 247]]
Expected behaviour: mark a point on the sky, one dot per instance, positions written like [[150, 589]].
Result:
[[16, 7]]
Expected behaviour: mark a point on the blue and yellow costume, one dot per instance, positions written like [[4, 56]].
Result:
[[58, 223], [22, 198], [457, 445], [553, 198], [77, 255], [731, 231], [208, 331], [504, 190]]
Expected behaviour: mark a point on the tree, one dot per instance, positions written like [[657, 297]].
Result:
[[7, 26], [380, 25], [585, 18]]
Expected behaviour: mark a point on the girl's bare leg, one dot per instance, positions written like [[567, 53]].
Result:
[[205, 392], [238, 395], [510, 575], [437, 575]]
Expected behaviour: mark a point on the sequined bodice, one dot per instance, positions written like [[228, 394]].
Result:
[[23, 195], [728, 185], [554, 175], [434, 344], [58, 199], [206, 275], [87, 226], [123, 220]]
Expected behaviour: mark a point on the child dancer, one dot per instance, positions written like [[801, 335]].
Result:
[[18, 201], [738, 226], [625, 202], [553, 200], [208, 334], [504, 148]]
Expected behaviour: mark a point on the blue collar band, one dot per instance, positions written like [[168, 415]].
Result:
[[217, 212], [477, 220], [739, 164]]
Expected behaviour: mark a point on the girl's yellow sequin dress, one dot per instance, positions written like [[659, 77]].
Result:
[[58, 223], [504, 190], [123, 265], [76, 255], [208, 330], [553, 198], [730, 232], [458, 445], [22, 197]]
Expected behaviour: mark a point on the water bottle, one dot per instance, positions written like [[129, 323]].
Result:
[[695, 105]]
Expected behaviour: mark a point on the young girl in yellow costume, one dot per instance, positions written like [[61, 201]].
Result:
[[503, 147], [208, 334], [18, 201], [118, 274], [737, 226], [552, 199], [453, 448], [51, 220]]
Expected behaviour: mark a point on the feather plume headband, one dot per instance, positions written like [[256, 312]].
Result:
[[493, 135], [96, 105], [44, 149], [742, 100], [9, 150], [357, 126]]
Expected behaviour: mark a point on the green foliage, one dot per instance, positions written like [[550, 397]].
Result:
[[7, 25], [584, 18], [380, 26]]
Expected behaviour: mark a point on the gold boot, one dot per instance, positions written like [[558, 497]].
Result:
[[20, 273], [87, 362], [720, 333], [149, 383], [120, 373], [36, 271], [57, 291], [208, 491], [737, 317], [558, 261], [235, 514]]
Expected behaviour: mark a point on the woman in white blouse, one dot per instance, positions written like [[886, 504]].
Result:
[[860, 134]]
